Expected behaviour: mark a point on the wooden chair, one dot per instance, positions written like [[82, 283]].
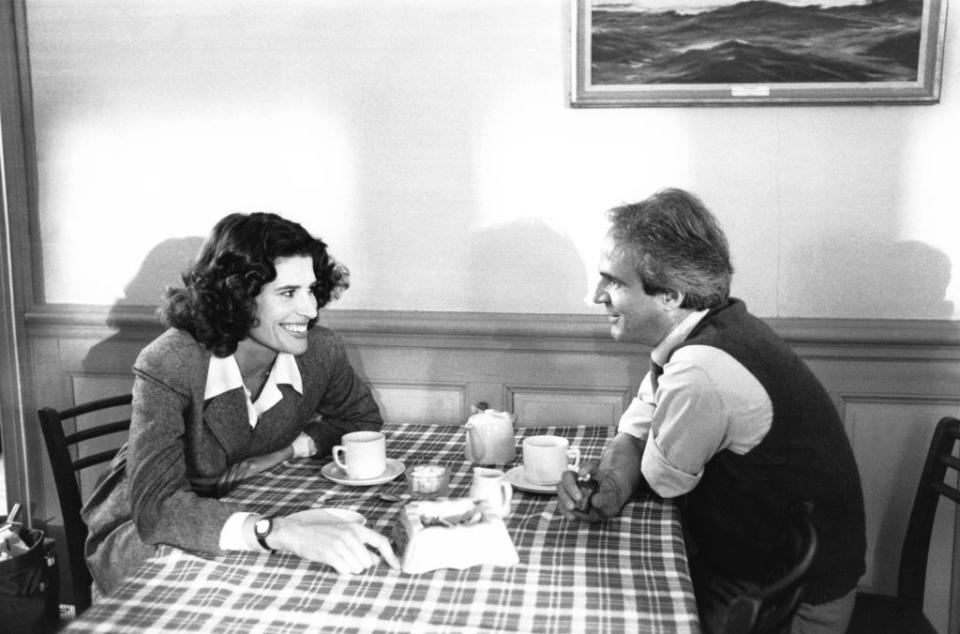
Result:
[[876, 613], [61, 448], [772, 607]]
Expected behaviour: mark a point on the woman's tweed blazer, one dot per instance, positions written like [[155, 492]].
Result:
[[157, 484]]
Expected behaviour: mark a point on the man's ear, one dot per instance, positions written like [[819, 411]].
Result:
[[671, 300]]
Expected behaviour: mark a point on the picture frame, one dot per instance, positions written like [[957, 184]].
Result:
[[638, 53]]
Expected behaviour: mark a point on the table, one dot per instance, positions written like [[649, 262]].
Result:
[[627, 574]]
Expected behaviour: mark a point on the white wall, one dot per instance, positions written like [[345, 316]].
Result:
[[431, 144]]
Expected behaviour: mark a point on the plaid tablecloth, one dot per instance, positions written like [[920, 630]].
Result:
[[628, 574]]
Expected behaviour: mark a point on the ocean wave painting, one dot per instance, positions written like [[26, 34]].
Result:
[[698, 42]]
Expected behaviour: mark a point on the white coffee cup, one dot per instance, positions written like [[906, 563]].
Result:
[[546, 457], [362, 454], [492, 487]]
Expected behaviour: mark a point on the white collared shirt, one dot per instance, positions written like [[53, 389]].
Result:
[[706, 401], [223, 375]]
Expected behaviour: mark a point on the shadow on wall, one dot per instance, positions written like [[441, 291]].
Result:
[[161, 268], [525, 267], [924, 275], [885, 280]]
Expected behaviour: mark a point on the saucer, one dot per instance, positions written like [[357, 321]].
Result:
[[519, 481], [333, 471]]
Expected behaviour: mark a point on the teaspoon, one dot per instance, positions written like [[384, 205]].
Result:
[[393, 497]]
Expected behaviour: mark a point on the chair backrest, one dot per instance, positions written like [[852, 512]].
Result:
[[62, 448], [934, 483], [772, 607]]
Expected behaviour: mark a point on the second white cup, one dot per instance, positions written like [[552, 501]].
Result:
[[546, 457], [362, 454]]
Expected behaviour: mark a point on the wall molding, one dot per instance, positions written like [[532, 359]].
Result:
[[820, 337], [947, 400]]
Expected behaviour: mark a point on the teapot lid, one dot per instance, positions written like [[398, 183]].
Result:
[[481, 406], [490, 412]]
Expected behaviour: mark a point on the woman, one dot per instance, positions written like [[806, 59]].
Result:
[[240, 381]]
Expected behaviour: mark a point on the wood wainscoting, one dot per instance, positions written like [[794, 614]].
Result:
[[891, 380]]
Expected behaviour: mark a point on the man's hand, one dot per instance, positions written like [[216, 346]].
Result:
[[617, 478]]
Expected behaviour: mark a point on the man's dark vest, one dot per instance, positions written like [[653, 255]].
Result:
[[737, 509]]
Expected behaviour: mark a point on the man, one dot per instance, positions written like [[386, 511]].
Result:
[[728, 417]]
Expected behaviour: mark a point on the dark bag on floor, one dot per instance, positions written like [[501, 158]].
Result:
[[30, 588]]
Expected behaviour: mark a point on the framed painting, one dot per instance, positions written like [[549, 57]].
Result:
[[755, 52]]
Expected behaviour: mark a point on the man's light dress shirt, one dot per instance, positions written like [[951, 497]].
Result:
[[224, 375], [705, 402]]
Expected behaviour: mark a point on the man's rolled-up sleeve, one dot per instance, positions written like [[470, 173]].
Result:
[[688, 426], [636, 419]]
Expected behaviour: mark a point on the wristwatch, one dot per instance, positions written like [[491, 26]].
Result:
[[262, 529]]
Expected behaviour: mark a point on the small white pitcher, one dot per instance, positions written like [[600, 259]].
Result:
[[491, 486]]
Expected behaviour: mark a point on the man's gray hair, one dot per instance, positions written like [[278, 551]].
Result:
[[675, 244]]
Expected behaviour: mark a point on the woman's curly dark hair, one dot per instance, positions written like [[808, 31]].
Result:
[[218, 302]]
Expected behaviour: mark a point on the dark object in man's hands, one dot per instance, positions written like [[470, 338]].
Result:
[[587, 487]]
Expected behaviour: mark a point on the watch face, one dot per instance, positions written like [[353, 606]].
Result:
[[263, 526]]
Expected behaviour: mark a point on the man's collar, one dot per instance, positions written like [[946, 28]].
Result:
[[680, 332], [223, 374]]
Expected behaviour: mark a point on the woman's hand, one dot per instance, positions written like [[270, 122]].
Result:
[[349, 547], [304, 446]]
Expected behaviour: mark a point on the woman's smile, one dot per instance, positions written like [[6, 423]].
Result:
[[295, 329]]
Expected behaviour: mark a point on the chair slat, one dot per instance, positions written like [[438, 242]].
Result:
[[94, 406], [94, 459], [948, 491], [96, 432], [950, 460]]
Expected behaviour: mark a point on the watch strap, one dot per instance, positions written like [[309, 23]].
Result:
[[261, 535]]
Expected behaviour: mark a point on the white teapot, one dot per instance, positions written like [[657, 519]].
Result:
[[489, 436]]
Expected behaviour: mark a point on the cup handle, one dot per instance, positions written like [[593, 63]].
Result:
[[507, 491], [573, 454], [337, 450]]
